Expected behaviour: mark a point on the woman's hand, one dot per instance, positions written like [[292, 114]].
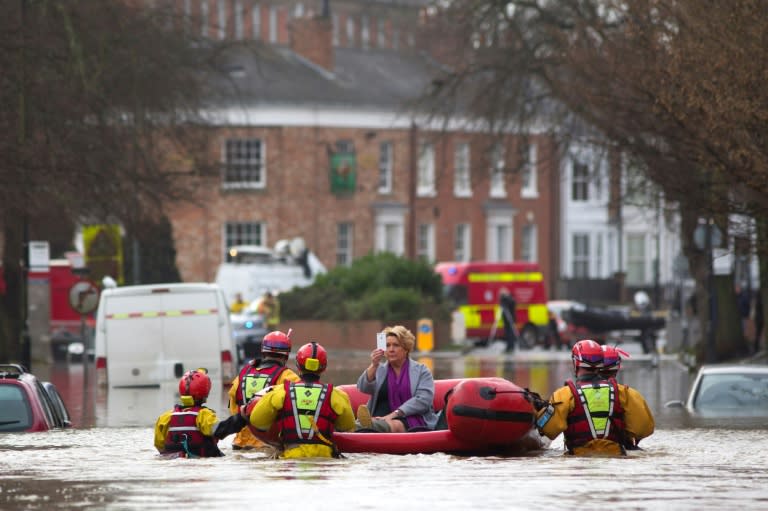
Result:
[[377, 356]]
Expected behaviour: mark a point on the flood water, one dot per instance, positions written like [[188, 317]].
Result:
[[108, 461]]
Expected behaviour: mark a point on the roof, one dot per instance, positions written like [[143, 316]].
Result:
[[274, 75]]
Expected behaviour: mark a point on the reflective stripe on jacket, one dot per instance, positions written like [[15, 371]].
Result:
[[597, 413], [254, 378], [305, 404]]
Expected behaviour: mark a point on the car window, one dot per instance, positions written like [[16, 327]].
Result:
[[45, 403], [59, 408], [732, 391], [15, 414]]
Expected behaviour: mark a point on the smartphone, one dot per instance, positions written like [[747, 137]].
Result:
[[381, 341]]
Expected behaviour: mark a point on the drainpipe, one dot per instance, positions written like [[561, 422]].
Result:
[[413, 156]]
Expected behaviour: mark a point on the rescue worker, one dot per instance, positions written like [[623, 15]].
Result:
[[595, 414], [257, 375], [269, 307], [611, 365], [191, 430], [308, 412], [238, 305]]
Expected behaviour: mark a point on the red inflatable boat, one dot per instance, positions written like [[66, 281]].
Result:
[[485, 416]]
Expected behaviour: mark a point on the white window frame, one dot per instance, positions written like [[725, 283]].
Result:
[[272, 24], [425, 177], [365, 32], [335, 29], [381, 34], [497, 182], [462, 245], [499, 237], [636, 259], [204, 20], [529, 176], [243, 233], [579, 191], [350, 32], [239, 11], [462, 184], [256, 20], [221, 9], [253, 164], [580, 255], [426, 242], [529, 243], [344, 243], [390, 230], [386, 161]]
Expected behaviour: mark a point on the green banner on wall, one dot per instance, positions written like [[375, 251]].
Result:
[[343, 172]]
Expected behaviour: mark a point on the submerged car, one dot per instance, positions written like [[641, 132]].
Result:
[[734, 390], [27, 404]]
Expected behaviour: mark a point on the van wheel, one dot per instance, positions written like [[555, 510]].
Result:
[[528, 337]]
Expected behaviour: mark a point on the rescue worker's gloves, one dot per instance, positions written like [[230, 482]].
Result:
[[536, 400]]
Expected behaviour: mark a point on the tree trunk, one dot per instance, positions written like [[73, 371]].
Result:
[[11, 310]]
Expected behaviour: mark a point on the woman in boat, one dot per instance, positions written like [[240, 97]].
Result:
[[401, 389], [306, 412], [191, 430], [596, 415]]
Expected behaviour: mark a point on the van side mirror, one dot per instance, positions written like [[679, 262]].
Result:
[[178, 369]]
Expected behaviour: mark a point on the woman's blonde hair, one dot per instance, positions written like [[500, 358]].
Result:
[[405, 336]]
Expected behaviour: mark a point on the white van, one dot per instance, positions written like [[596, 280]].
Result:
[[149, 334]]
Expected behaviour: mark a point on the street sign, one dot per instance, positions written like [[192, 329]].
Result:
[[84, 296], [425, 341], [39, 255]]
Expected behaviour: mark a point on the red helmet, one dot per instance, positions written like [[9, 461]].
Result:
[[588, 354], [612, 358], [196, 384], [311, 358], [276, 343]]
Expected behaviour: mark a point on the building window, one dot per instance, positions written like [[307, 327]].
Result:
[[528, 243], [298, 10], [426, 245], [381, 36], [350, 32], [239, 19], [273, 24], [335, 29], [462, 243], [580, 182], [344, 244], [365, 32], [243, 233], [580, 255], [256, 18], [204, 22], [599, 264], [425, 186], [390, 230], [636, 259], [499, 236], [529, 175], [461, 179], [497, 172], [244, 163], [385, 167], [221, 8]]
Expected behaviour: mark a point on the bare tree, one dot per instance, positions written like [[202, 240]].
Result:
[[97, 121], [675, 84]]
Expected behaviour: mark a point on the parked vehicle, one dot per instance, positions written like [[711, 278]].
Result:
[[733, 390], [27, 404], [248, 329], [149, 334], [474, 288], [251, 270], [568, 332]]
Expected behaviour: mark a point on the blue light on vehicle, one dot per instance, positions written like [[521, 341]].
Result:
[[249, 324]]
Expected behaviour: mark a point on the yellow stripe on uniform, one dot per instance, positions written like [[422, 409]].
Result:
[[506, 277]]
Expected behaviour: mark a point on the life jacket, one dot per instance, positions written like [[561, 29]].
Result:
[[305, 401], [184, 437], [597, 413], [253, 378]]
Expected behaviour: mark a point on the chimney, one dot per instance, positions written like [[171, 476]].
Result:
[[312, 38]]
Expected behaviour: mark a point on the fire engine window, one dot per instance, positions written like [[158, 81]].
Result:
[[456, 294]]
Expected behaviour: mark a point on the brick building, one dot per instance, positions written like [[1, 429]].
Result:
[[316, 139]]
